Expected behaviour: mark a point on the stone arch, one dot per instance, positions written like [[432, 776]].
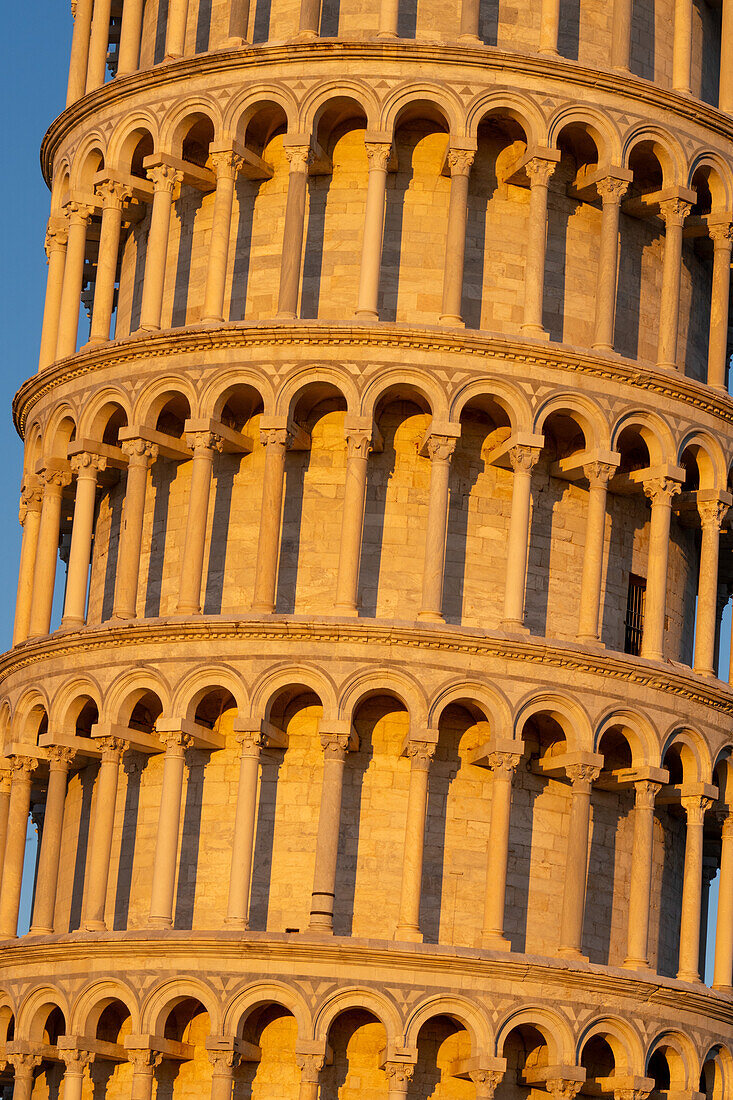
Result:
[[295, 386], [639, 732], [95, 416], [586, 413], [126, 137], [89, 158], [131, 686], [317, 101], [653, 429], [377, 682], [708, 456], [213, 396], [92, 1001], [28, 714], [244, 106], [720, 1054], [413, 383], [601, 128], [444, 102], [33, 448], [666, 148], [152, 398], [378, 1004], [60, 430], [267, 993], [722, 194], [522, 109], [461, 1011], [67, 703], [509, 398], [486, 698], [623, 1038], [164, 997], [61, 183], [568, 713], [188, 694], [552, 1026], [35, 1009], [683, 1066], [694, 754], [5, 722], [271, 683], [173, 126]]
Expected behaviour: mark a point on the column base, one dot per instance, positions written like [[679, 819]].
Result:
[[654, 656], [286, 315], [692, 977], [722, 988], [535, 331], [346, 611], [262, 608], [148, 328], [187, 612], [392, 35], [306, 36], [366, 315], [470, 40], [121, 616], [635, 964], [602, 346], [494, 941], [95, 926], [95, 342], [668, 366], [430, 617], [514, 626], [160, 922], [317, 929], [572, 953], [34, 930], [71, 622], [408, 935], [590, 639], [549, 51], [212, 321], [238, 924], [704, 671], [233, 44], [622, 69], [172, 57], [452, 319]]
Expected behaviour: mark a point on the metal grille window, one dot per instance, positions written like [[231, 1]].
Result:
[[634, 621]]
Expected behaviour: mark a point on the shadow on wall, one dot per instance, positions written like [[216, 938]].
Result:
[[349, 826], [190, 840], [133, 764], [225, 469], [163, 475], [87, 777], [270, 764], [330, 14], [318, 188]]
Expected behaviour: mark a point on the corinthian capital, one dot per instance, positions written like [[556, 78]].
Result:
[[712, 513], [523, 458], [299, 157], [660, 490], [163, 177], [540, 170], [31, 498], [378, 154], [113, 194], [674, 211], [139, 451], [460, 161], [721, 235], [612, 190], [86, 463], [441, 447], [225, 164]]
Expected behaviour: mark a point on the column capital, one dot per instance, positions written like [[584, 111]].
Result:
[[22, 766], [504, 763], [358, 442], [59, 756], [225, 163], [113, 194], [563, 1088], [335, 745], [420, 753], [175, 740], [712, 513], [631, 1094], [80, 213], [674, 211], [276, 437], [440, 448], [460, 161], [250, 742], [721, 234], [646, 792], [299, 157], [378, 154], [139, 451], [88, 465], [57, 236], [55, 476], [310, 1066], [582, 775], [599, 474], [612, 190], [695, 807], [75, 1060], [31, 498], [111, 747], [485, 1081], [142, 1060], [224, 1062], [163, 177], [24, 1064], [204, 441], [523, 458], [540, 170], [660, 490], [399, 1075]]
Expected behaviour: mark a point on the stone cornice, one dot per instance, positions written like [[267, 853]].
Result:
[[481, 346], [671, 680], [426, 58], [213, 950]]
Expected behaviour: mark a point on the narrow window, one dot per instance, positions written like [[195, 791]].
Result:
[[634, 621]]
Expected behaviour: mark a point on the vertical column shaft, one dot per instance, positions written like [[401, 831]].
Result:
[[470, 20], [310, 1066], [268, 546], [725, 93], [523, 460], [22, 768], [598, 474], [203, 445], [460, 161], [335, 748], [98, 44], [408, 926], [723, 969], [299, 157], [143, 1073], [640, 885], [79, 216], [238, 22], [722, 236], [682, 48], [576, 861], [164, 180], [112, 195], [50, 853], [389, 16], [689, 962], [503, 766], [712, 513], [223, 1065], [226, 165], [549, 26], [175, 32], [169, 819], [79, 51], [244, 831], [100, 847], [44, 576], [128, 57], [674, 212], [23, 1065], [371, 248], [611, 191], [75, 1061], [31, 499], [57, 237], [140, 454], [539, 172], [621, 35], [440, 449], [310, 18], [5, 784], [86, 467], [660, 491], [352, 521]]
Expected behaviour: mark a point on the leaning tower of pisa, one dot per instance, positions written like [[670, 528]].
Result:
[[363, 689]]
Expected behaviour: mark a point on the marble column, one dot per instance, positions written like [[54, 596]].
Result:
[[22, 768], [420, 754], [378, 154], [59, 759], [335, 749], [23, 1067], [310, 18], [175, 32], [660, 491], [576, 860], [276, 442], [128, 55], [389, 16], [44, 575], [226, 164], [673, 212], [238, 24], [113, 196], [611, 190], [86, 467], [79, 217], [223, 1066], [299, 158], [359, 445], [549, 26], [503, 765], [144, 1063], [310, 1066], [722, 237], [470, 22], [485, 1082], [725, 92], [640, 885], [523, 460], [621, 35], [459, 161], [75, 1062], [682, 47], [5, 783], [169, 822], [98, 44], [79, 52], [598, 474], [399, 1075], [723, 968], [440, 449], [539, 172], [204, 445], [57, 237], [244, 830], [712, 514], [689, 961], [100, 847], [31, 500], [140, 455], [164, 180]]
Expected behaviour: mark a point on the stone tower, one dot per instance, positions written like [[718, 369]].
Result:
[[371, 723]]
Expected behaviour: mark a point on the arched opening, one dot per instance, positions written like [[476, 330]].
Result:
[[527, 1055], [641, 251], [187, 1021], [443, 1048], [357, 1039], [273, 1029]]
